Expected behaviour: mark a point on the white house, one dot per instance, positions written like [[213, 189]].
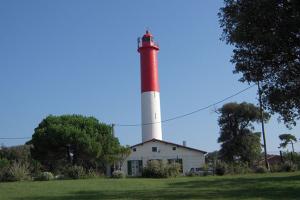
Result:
[[190, 159]]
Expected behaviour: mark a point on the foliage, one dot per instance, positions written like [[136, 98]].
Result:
[[154, 169], [232, 168], [288, 167], [16, 172], [4, 168], [221, 168], [238, 168], [118, 174], [20, 153], [261, 169], [212, 157], [239, 142], [287, 139], [44, 176], [92, 173], [75, 172], [265, 35], [173, 169], [4, 163], [119, 155], [73, 139], [275, 168]]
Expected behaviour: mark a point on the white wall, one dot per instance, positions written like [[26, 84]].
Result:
[[151, 118], [190, 158]]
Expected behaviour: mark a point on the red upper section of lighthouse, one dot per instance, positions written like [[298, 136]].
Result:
[[149, 71]]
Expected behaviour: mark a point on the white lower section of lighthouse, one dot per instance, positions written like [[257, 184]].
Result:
[[151, 118]]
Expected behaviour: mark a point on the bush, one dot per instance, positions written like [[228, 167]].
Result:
[[261, 169], [275, 167], [288, 167], [44, 176], [238, 168], [20, 153], [91, 173], [155, 169], [4, 169], [173, 169], [17, 172], [221, 168], [75, 172], [118, 174], [35, 167]]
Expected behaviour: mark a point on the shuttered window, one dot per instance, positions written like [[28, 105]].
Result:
[[129, 167], [140, 166]]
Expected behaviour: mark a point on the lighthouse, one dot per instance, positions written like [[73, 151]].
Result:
[[150, 98], [152, 146]]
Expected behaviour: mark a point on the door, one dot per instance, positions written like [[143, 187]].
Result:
[[135, 168]]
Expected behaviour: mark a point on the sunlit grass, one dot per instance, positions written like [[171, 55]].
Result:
[[253, 186]]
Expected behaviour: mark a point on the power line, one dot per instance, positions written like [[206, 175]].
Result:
[[191, 113], [14, 138], [163, 121]]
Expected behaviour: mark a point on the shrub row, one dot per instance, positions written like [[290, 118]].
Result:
[[21, 171], [242, 168], [159, 169]]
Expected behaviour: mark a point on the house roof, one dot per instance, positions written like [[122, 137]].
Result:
[[170, 143]]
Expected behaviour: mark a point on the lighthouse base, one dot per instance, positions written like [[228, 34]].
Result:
[[151, 117]]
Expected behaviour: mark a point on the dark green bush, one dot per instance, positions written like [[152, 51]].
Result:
[[261, 169], [221, 168], [44, 176], [75, 172]]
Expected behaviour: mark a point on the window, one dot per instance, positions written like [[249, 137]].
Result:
[[174, 148], [154, 149], [198, 169], [146, 39], [134, 149]]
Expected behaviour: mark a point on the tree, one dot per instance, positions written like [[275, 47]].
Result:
[[212, 157], [265, 35], [73, 140], [287, 139], [239, 142]]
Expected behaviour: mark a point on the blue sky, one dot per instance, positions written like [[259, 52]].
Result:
[[79, 57]]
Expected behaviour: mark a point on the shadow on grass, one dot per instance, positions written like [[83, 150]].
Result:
[[196, 188]]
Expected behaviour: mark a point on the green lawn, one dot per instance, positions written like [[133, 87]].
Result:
[[266, 186]]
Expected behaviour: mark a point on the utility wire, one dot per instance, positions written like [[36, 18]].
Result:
[[14, 138], [163, 121], [190, 113]]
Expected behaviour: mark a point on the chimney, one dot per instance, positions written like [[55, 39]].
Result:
[[184, 143]]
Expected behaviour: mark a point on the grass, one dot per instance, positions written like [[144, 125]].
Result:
[[253, 186]]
